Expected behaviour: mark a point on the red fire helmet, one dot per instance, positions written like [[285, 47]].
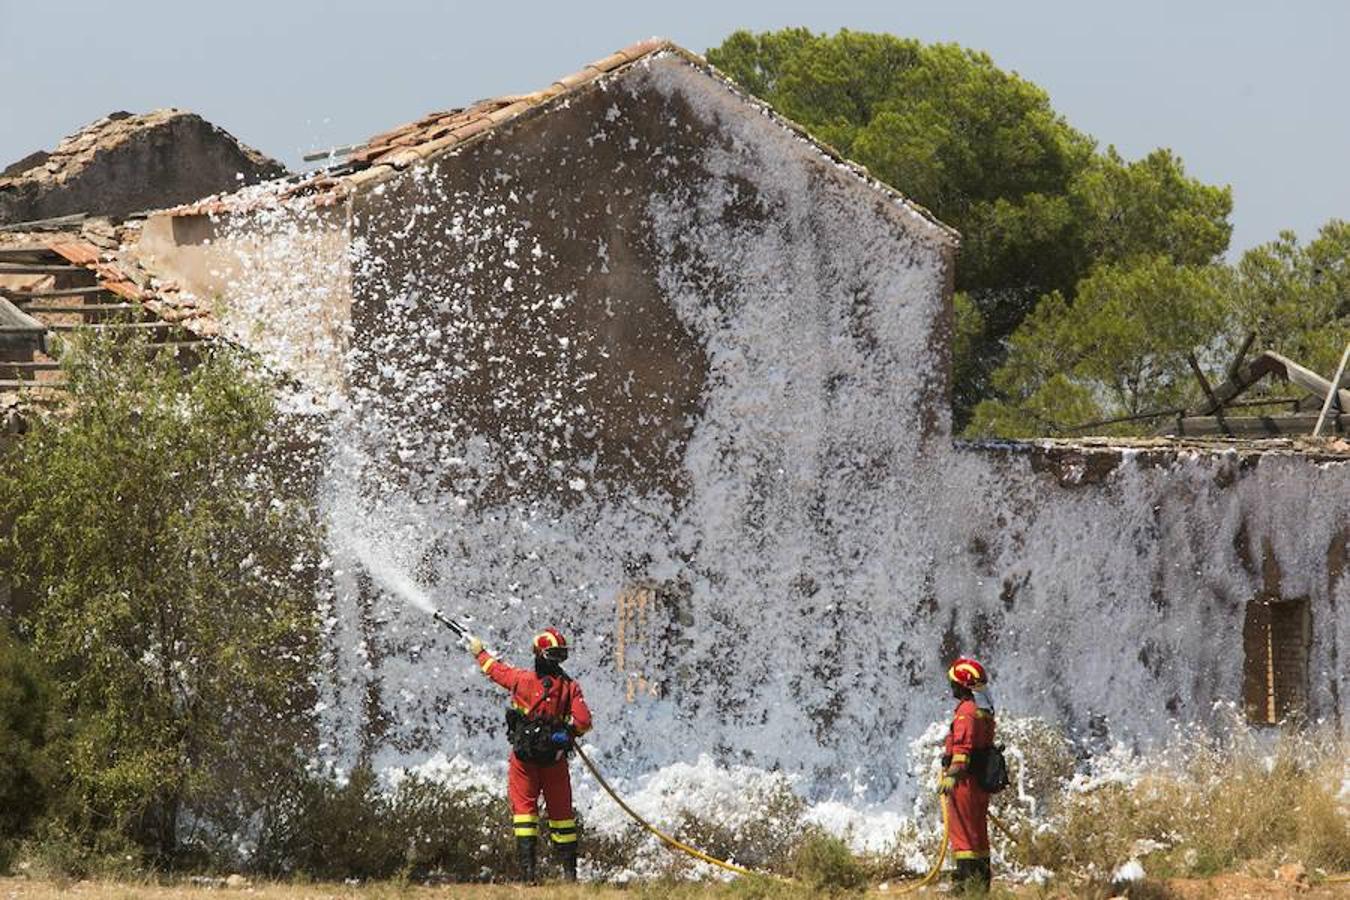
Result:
[[968, 673], [551, 644]]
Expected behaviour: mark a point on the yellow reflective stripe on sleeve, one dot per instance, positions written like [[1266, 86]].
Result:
[[488, 664], [960, 757]]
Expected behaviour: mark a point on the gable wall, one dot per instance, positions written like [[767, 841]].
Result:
[[515, 444]]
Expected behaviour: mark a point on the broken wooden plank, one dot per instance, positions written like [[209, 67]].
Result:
[[14, 322], [1236, 365], [1309, 380]]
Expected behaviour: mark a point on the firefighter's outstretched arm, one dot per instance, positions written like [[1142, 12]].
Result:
[[493, 668]]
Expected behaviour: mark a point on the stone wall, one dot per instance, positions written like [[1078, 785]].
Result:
[[126, 163]]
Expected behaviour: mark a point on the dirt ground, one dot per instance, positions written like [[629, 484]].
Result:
[[1218, 888]]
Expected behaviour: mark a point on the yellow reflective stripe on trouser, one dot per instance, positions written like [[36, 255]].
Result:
[[525, 824], [970, 854], [562, 831]]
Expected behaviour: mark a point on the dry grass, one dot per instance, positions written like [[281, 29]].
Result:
[[1193, 889], [1236, 809]]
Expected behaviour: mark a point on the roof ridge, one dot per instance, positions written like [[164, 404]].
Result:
[[391, 151]]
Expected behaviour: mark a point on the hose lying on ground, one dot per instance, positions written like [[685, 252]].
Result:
[[732, 867], [667, 839]]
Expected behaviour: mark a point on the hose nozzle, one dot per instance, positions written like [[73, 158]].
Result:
[[449, 623]]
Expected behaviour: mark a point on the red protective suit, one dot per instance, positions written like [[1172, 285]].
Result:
[[968, 805], [525, 781]]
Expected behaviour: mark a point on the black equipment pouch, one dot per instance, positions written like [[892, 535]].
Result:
[[531, 736], [989, 768], [532, 741]]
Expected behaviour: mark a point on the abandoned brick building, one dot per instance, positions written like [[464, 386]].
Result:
[[634, 355]]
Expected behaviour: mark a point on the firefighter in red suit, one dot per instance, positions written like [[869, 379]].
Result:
[[972, 733], [546, 712]]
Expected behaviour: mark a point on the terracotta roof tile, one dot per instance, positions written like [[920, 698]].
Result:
[[434, 133]]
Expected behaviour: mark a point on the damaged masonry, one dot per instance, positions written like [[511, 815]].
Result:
[[636, 355]]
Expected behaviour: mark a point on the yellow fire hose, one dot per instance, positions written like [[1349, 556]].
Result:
[[941, 857], [676, 844], [667, 839]]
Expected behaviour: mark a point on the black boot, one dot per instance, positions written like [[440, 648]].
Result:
[[525, 858], [972, 875], [567, 854]]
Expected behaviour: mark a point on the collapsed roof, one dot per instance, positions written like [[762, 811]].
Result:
[[124, 163]]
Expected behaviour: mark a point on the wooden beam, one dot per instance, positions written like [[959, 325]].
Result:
[[39, 269], [28, 253], [113, 326], [30, 365], [72, 309], [1336, 381], [1236, 365], [22, 297], [13, 319], [52, 224], [1309, 380], [1215, 406], [1258, 426]]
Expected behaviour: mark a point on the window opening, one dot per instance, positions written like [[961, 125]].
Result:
[[1276, 636]]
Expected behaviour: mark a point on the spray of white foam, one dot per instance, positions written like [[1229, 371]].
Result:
[[830, 545]]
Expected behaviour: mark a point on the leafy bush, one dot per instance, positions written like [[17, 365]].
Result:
[[824, 862], [159, 524], [29, 743], [358, 828], [764, 841]]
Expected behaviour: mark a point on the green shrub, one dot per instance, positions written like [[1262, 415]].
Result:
[[764, 841], [162, 524], [422, 830], [29, 744], [824, 862]]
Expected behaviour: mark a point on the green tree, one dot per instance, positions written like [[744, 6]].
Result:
[[1037, 205], [160, 521], [1122, 347], [1296, 299]]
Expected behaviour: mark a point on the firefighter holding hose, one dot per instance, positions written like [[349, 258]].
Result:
[[546, 712], [969, 741]]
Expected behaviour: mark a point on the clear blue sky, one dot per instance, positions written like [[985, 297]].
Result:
[[1252, 94]]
